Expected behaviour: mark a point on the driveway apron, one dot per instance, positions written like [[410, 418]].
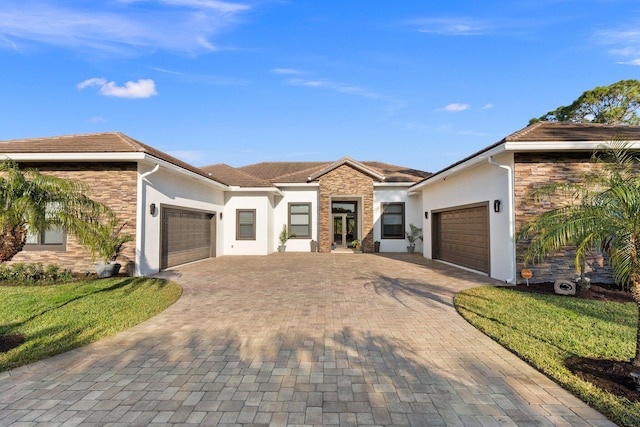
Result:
[[297, 339]]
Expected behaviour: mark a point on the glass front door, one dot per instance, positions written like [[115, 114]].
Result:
[[344, 229]]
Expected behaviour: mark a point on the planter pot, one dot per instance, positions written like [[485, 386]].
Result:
[[410, 249], [282, 248], [107, 269]]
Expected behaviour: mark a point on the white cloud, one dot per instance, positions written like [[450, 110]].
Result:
[[623, 43], [336, 86], [120, 27], [635, 62], [95, 81], [285, 71], [456, 107], [450, 26], [487, 106], [143, 88]]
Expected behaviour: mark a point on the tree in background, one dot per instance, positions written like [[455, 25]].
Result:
[[601, 212], [614, 104], [32, 202]]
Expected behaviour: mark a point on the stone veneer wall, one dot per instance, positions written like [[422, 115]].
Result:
[[532, 171], [346, 181], [113, 184]]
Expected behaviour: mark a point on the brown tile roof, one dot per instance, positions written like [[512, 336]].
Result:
[[564, 131], [557, 132], [232, 176], [299, 172], [107, 142]]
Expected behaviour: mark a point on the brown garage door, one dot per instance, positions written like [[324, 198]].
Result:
[[186, 236], [461, 236]]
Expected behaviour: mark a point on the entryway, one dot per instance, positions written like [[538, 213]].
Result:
[[344, 224]]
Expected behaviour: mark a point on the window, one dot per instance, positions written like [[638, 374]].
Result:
[[53, 239], [392, 220], [300, 219], [246, 224]]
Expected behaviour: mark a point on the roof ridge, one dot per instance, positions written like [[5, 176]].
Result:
[[520, 133], [235, 170], [301, 171], [135, 144]]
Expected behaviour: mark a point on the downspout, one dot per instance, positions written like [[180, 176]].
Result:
[[512, 219], [139, 220]]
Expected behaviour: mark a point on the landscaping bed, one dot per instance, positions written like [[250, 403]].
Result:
[[583, 342]]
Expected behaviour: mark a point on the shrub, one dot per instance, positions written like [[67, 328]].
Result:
[[21, 274]]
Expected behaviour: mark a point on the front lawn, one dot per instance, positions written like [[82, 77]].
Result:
[[545, 330], [57, 318]]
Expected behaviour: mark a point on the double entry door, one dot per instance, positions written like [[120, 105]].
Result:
[[344, 229]]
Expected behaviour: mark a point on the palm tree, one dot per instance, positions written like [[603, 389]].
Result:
[[32, 202], [602, 212]]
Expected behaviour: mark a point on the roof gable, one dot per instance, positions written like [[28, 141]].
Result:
[[349, 162]]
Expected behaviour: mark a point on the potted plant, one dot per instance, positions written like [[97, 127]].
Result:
[[284, 236], [414, 234], [356, 244], [105, 241]]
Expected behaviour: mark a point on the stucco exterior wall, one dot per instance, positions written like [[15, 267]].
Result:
[[349, 182], [531, 171], [263, 205], [480, 184], [281, 216], [412, 212], [113, 184], [170, 188]]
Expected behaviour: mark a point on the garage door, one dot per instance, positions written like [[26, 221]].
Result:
[[461, 236], [186, 236]]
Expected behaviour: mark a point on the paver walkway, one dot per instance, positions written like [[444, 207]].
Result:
[[297, 339]]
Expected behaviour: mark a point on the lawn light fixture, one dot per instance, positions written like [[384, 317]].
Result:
[[496, 205]]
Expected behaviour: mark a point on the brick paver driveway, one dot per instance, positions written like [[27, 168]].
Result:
[[297, 339]]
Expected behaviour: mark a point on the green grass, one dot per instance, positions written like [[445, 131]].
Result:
[[58, 318], [544, 330]]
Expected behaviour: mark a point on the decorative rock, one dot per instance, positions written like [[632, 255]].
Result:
[[564, 287]]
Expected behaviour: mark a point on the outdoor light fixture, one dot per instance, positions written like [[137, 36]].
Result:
[[426, 215], [496, 205], [152, 209], [220, 215]]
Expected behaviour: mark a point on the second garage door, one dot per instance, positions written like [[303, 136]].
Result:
[[186, 236], [461, 236]]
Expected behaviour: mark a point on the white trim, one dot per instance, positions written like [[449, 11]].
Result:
[[297, 184], [559, 146], [105, 157], [236, 189], [474, 161], [76, 156], [393, 184]]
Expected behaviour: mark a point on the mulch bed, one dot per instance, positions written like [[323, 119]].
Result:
[[613, 376], [7, 342]]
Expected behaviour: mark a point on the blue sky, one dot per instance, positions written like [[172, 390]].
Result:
[[415, 83]]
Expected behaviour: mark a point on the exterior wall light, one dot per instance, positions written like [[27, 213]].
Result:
[[426, 214], [496, 205], [152, 209]]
